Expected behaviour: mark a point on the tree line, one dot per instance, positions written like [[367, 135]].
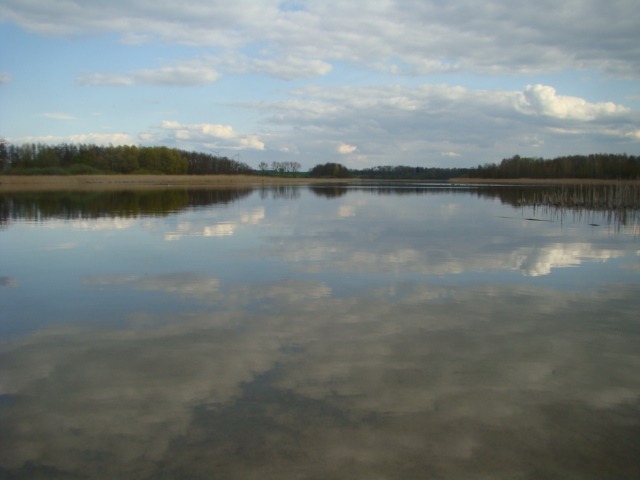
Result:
[[407, 172], [330, 170], [65, 158], [601, 165]]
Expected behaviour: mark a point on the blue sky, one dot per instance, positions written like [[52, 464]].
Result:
[[363, 83]]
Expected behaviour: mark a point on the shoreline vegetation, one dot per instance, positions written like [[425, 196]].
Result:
[[130, 196], [91, 182], [31, 166], [44, 182]]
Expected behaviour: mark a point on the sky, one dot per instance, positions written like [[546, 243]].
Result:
[[429, 83]]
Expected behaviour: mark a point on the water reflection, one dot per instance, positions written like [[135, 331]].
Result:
[[411, 381], [293, 334], [620, 202], [96, 204]]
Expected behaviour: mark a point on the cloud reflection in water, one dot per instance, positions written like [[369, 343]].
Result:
[[327, 337], [410, 378]]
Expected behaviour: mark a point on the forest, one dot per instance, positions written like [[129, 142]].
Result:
[[601, 165], [405, 172], [66, 158]]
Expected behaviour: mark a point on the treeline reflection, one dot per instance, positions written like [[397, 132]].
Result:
[[621, 203], [67, 205]]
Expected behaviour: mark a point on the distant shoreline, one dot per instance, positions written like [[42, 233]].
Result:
[[544, 181], [101, 182]]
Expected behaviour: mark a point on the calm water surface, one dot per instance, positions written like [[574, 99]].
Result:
[[318, 333]]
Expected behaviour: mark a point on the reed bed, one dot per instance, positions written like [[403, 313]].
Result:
[[593, 197], [617, 204]]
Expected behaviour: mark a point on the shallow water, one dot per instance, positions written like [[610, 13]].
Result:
[[325, 332]]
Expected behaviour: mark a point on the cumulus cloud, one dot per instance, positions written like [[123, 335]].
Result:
[[415, 123], [434, 123], [543, 100], [346, 149], [206, 129], [208, 136]]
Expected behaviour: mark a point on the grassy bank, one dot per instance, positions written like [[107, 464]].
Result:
[[101, 182]]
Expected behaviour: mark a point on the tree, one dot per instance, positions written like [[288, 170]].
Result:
[[330, 170], [4, 154]]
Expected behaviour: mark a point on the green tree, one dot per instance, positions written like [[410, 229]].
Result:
[[330, 170], [4, 155]]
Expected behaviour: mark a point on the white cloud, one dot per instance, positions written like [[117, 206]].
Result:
[[179, 75], [94, 138], [346, 149], [435, 123], [102, 138], [207, 136], [368, 43], [171, 125], [543, 100], [218, 131], [251, 142], [5, 78], [207, 129], [290, 68], [634, 134]]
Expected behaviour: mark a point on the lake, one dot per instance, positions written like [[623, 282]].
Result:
[[369, 331]]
